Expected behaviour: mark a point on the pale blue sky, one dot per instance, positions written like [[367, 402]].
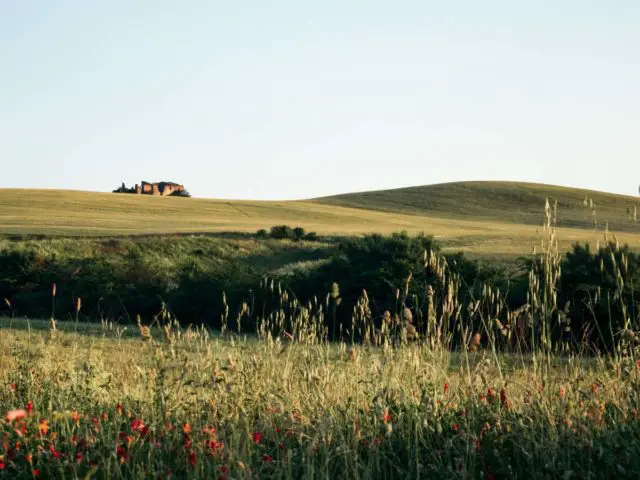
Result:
[[294, 99]]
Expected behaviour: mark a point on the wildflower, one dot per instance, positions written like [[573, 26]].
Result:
[[186, 428], [455, 427], [594, 388], [54, 453], [446, 388], [490, 395], [281, 446], [14, 415], [386, 418], [44, 427], [136, 424], [35, 472], [213, 446], [79, 457], [257, 437], [14, 386], [28, 457], [193, 458], [29, 407], [119, 408], [75, 416], [2, 465], [267, 458], [104, 416], [187, 442], [504, 401], [121, 453]]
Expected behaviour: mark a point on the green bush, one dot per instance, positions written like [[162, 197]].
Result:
[[181, 193], [281, 232], [311, 236], [298, 233]]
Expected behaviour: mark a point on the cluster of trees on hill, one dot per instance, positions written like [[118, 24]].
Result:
[[285, 232]]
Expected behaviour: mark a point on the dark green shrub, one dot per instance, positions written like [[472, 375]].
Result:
[[298, 233], [311, 236], [281, 232], [181, 193], [600, 285]]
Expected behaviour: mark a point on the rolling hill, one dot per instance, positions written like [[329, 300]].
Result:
[[511, 202], [482, 218]]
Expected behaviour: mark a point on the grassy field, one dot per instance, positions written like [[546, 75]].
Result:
[[460, 389], [507, 202], [104, 402], [497, 219]]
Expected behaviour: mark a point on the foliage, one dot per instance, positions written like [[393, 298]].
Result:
[[181, 193], [602, 289]]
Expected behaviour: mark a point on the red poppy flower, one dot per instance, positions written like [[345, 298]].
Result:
[[193, 458], [122, 454], [14, 415], [446, 388], [267, 458], [257, 437], [386, 417], [29, 407], [136, 425]]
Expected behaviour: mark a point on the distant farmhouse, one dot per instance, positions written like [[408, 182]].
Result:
[[163, 189]]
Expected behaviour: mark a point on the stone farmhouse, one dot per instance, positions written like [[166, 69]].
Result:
[[145, 188]]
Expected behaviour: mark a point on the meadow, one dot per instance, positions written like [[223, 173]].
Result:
[[419, 365], [105, 403]]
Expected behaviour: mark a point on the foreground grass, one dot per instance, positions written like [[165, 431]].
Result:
[[101, 402], [484, 221]]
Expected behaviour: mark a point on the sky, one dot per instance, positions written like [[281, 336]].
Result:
[[297, 99]]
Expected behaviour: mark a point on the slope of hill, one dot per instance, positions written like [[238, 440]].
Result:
[[511, 202], [497, 219]]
